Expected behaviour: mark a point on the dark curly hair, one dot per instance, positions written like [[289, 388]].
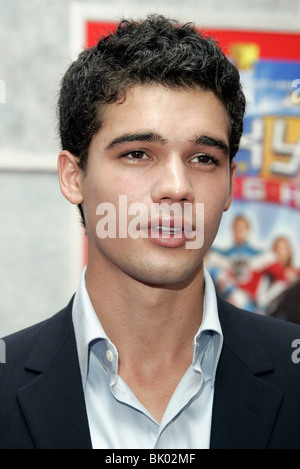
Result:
[[157, 50]]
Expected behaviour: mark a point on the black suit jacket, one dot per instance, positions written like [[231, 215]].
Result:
[[257, 389]]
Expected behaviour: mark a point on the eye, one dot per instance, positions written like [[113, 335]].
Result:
[[135, 155], [204, 160]]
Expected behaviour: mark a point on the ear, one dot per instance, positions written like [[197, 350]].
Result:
[[70, 177], [233, 171]]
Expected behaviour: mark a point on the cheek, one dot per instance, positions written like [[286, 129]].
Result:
[[214, 207], [212, 214], [114, 193], [213, 191], [134, 189]]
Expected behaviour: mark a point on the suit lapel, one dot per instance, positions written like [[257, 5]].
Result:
[[53, 401], [245, 405]]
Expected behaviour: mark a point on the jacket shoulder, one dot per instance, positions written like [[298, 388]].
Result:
[[258, 340], [22, 343], [266, 326], [257, 387]]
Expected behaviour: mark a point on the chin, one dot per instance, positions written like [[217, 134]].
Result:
[[165, 276]]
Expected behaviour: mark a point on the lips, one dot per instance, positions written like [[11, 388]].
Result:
[[168, 231], [165, 224], [165, 231], [172, 226], [171, 230]]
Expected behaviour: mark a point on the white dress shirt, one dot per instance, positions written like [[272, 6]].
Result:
[[117, 419]]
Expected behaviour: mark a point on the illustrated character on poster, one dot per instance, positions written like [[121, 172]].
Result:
[[273, 273], [253, 277], [231, 268]]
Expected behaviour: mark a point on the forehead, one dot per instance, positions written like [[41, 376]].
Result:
[[180, 111]]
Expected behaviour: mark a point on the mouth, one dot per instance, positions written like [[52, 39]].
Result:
[[166, 230], [170, 226]]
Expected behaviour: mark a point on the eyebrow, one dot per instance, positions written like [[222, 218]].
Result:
[[212, 142], [139, 137], [157, 138]]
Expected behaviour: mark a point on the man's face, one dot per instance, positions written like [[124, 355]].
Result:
[[240, 231], [157, 146]]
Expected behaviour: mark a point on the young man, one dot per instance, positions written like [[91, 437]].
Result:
[[146, 355]]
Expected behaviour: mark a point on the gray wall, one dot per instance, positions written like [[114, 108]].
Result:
[[40, 235]]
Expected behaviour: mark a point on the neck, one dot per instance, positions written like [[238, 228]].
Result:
[[143, 317], [152, 326]]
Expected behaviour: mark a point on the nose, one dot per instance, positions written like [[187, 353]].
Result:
[[172, 183]]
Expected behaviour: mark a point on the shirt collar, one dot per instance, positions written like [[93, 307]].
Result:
[[207, 342], [87, 326]]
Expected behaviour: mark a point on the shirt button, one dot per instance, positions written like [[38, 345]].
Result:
[[109, 355]]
